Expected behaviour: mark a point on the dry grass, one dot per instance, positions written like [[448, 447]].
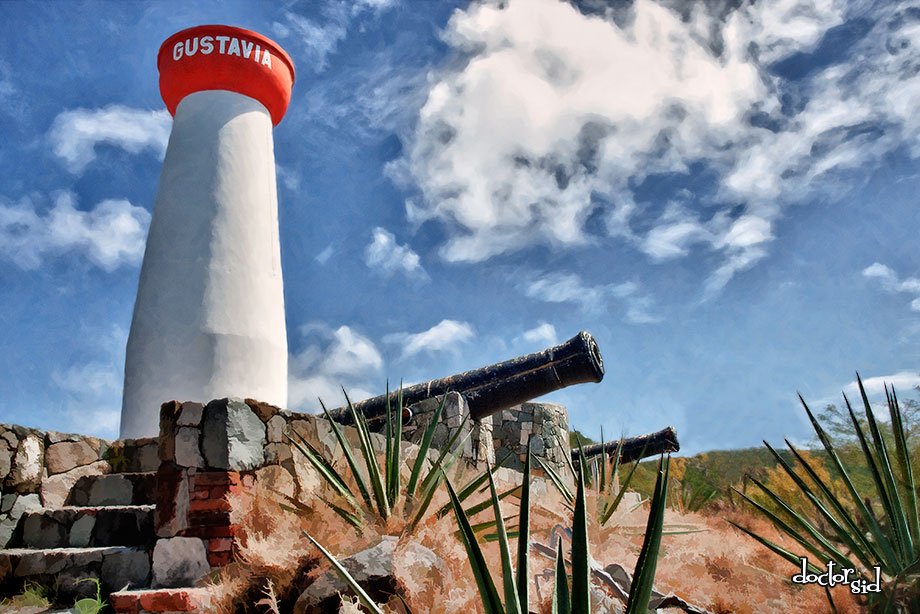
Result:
[[719, 569]]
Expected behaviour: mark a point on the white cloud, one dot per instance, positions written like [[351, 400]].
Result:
[[903, 381], [319, 38], [323, 256], [75, 133], [543, 335], [558, 287], [547, 116], [892, 283], [445, 335], [110, 235], [386, 255], [338, 358]]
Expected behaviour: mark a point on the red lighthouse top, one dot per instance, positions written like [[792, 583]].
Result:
[[225, 58]]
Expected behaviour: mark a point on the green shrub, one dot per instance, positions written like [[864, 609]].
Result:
[[848, 528]]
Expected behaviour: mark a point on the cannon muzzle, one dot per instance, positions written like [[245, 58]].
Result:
[[635, 448], [496, 387]]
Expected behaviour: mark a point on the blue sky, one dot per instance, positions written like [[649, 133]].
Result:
[[726, 197]]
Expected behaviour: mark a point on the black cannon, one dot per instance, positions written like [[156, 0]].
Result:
[[634, 448], [496, 387]]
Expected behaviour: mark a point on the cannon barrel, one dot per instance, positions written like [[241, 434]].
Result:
[[496, 387], [634, 448]]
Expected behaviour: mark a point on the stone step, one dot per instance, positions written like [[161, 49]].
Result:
[[114, 489], [161, 600], [82, 527], [62, 569]]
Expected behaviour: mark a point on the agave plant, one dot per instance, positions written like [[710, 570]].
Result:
[[577, 600], [848, 530], [595, 476], [376, 492]]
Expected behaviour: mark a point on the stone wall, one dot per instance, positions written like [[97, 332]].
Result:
[[208, 451], [478, 448], [544, 425], [43, 468]]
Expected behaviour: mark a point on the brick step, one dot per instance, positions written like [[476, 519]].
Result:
[[62, 569], [86, 527], [114, 489], [161, 600]]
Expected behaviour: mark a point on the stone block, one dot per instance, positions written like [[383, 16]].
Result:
[[172, 500], [41, 530], [64, 456], [81, 531], [123, 527], [233, 436], [191, 414], [26, 473], [55, 489], [166, 440], [178, 561], [10, 438], [143, 456], [6, 462], [536, 445], [275, 429], [188, 453], [278, 453], [264, 411], [277, 478], [113, 489], [125, 569]]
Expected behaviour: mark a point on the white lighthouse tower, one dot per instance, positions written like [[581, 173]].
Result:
[[209, 316]]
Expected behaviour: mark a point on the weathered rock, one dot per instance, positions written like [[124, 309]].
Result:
[[144, 456], [6, 502], [11, 439], [187, 450], [81, 531], [233, 436], [178, 561], [264, 411], [127, 568], [306, 476], [43, 531], [55, 489], [371, 568], [25, 503], [275, 428], [191, 414], [172, 500], [64, 456], [6, 462], [277, 478], [277, 453], [124, 526], [26, 472], [53, 437], [20, 504], [112, 489]]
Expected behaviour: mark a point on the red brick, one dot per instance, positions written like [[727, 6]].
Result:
[[199, 494], [124, 604], [219, 559], [209, 532], [216, 478], [166, 600], [209, 505], [220, 544], [208, 519]]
